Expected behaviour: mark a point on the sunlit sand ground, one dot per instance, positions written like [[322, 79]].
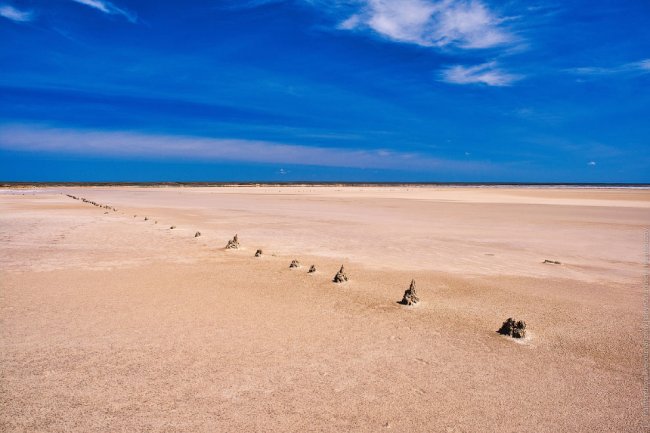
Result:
[[112, 323]]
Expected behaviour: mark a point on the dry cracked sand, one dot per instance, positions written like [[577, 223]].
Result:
[[110, 323]]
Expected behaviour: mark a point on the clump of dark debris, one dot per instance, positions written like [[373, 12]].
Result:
[[233, 244], [410, 296], [340, 276], [512, 328]]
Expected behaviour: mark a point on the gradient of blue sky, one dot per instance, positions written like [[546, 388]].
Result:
[[361, 90]]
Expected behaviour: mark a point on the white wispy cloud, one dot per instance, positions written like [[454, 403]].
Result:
[[13, 14], [639, 67], [109, 8], [131, 144], [486, 73], [460, 23]]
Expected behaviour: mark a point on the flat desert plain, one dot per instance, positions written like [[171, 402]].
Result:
[[114, 323]]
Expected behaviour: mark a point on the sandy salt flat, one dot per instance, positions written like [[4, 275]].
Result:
[[113, 323]]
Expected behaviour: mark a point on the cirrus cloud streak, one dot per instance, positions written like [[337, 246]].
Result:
[[14, 14], [639, 67], [29, 138], [486, 73], [109, 8]]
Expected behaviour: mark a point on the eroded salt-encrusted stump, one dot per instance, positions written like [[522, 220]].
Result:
[[146, 218], [512, 328], [340, 276], [410, 296], [294, 264], [312, 269], [233, 244], [172, 227], [197, 234], [258, 253]]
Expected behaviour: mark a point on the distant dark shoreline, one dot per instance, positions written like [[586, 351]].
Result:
[[341, 184]]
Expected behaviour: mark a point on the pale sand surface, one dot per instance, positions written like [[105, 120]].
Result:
[[110, 323]]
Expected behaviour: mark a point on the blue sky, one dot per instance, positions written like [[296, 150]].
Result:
[[358, 90]]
